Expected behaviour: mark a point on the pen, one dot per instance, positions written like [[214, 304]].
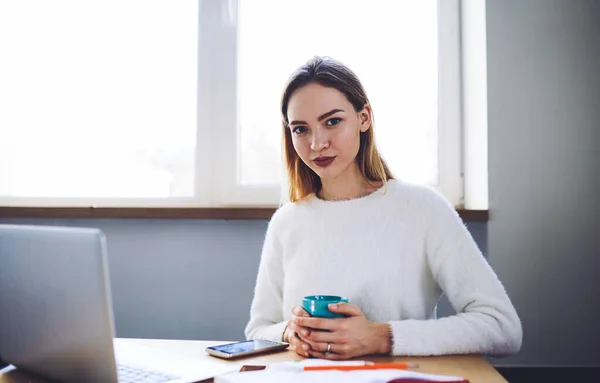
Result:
[[375, 366]]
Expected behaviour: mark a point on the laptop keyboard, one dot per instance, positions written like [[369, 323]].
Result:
[[128, 374]]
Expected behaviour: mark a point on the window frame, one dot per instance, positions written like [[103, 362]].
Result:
[[217, 138], [229, 193]]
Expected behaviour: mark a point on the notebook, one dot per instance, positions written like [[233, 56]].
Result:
[[291, 372]]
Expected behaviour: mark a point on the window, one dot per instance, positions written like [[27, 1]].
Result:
[[161, 103], [97, 101]]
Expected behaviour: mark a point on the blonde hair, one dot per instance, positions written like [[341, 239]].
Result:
[[302, 181]]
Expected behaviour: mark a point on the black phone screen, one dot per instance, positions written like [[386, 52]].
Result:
[[249, 345]]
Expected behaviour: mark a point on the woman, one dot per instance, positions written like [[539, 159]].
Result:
[[351, 229]]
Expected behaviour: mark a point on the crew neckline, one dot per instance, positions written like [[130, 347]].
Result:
[[379, 191]]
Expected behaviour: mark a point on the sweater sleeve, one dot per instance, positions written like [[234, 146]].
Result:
[[266, 312], [486, 321]]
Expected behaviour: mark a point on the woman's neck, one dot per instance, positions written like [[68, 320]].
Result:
[[348, 185]]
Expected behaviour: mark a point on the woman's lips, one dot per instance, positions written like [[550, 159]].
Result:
[[323, 161]]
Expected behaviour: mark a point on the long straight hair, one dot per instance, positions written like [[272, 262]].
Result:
[[325, 71]]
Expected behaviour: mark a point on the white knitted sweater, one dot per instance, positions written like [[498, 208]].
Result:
[[391, 253]]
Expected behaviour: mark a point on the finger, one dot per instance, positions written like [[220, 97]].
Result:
[[320, 336], [299, 311], [317, 323], [345, 308], [328, 355], [318, 346], [299, 329], [300, 343], [329, 347], [302, 348], [300, 351]]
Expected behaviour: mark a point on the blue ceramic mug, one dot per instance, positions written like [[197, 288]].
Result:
[[317, 305]]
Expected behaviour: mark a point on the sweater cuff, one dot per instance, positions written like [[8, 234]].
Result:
[[401, 337], [273, 332]]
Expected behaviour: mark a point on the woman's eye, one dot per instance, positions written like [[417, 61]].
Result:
[[333, 121], [299, 129]]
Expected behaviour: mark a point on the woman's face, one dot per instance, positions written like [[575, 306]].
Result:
[[326, 129]]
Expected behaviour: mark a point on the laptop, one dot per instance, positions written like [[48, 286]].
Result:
[[56, 317]]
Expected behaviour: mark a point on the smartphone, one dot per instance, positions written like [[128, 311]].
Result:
[[245, 348]]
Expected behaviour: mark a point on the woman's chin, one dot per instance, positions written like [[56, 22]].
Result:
[[326, 174]]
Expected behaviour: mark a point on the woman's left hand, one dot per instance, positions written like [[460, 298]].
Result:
[[344, 338]]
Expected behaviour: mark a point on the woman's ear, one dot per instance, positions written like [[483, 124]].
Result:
[[365, 118]]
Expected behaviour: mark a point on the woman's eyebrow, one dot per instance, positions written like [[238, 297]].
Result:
[[324, 115]]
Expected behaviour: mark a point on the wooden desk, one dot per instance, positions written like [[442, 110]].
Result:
[[474, 368]]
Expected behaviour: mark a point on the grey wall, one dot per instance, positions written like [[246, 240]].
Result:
[[544, 140], [178, 279], [193, 279], [185, 279]]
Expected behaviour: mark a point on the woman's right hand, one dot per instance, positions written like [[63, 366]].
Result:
[[291, 333]]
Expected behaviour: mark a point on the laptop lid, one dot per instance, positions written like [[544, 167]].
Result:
[[56, 315]]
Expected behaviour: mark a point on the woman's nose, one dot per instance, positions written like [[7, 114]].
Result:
[[320, 141]]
